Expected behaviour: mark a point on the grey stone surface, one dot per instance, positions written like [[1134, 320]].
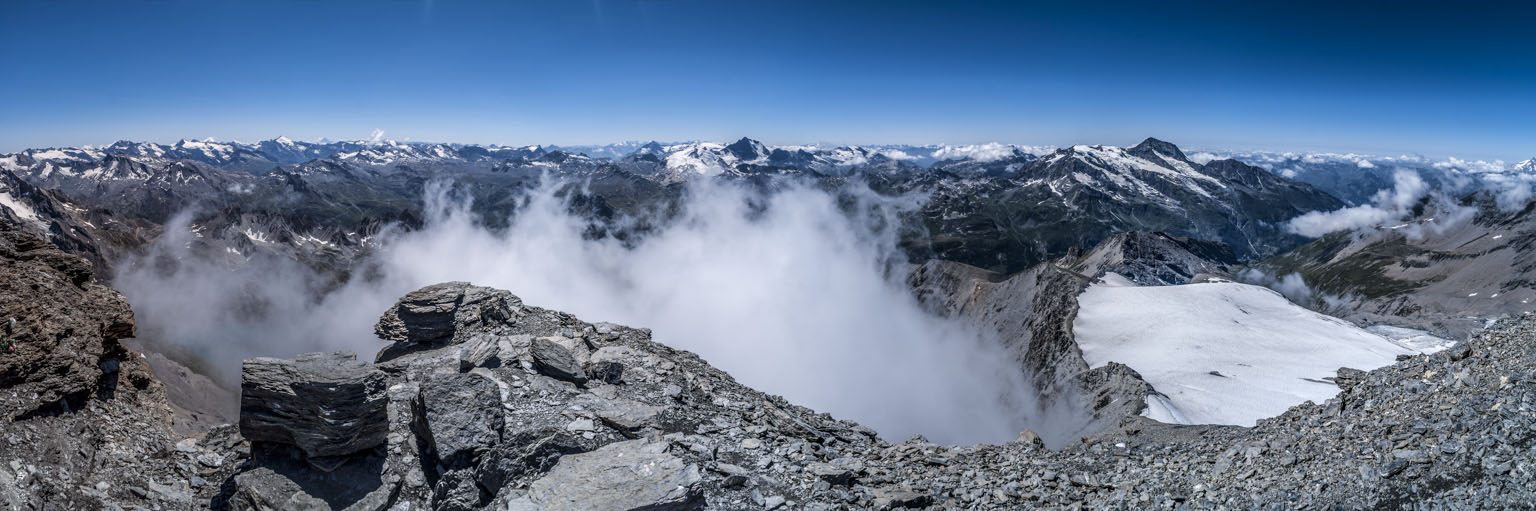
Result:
[[326, 404], [438, 312], [561, 357], [463, 416], [637, 474], [619, 413]]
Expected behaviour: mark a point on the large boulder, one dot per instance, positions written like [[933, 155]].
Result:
[[437, 313], [325, 404], [463, 413]]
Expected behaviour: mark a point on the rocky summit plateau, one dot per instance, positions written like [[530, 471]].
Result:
[[477, 400]]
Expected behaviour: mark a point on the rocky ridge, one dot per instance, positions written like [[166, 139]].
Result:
[[527, 408], [481, 401]]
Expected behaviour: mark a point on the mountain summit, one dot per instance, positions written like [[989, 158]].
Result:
[[1147, 148]]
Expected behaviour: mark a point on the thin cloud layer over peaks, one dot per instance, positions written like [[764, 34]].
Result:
[[987, 152], [1387, 206], [789, 291]]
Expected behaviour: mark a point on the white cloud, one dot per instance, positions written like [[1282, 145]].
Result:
[[1392, 205], [1203, 157], [1387, 205], [1317, 223], [1454, 163], [980, 152], [376, 136], [895, 154], [1514, 197], [1295, 288]]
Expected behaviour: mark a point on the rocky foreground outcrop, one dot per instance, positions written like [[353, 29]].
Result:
[[500, 405], [85, 424], [484, 402]]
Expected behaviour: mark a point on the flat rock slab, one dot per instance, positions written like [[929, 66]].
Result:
[[619, 413], [561, 357], [637, 474]]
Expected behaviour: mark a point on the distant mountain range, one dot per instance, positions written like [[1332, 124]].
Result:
[[1001, 208], [995, 206]]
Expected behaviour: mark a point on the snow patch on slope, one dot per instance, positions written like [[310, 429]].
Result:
[[18, 208], [1419, 340], [1222, 353]]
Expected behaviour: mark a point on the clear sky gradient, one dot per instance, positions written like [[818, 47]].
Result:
[[1455, 78]]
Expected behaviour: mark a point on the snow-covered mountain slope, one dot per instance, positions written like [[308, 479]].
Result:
[[1527, 166], [612, 151], [94, 234], [1222, 352], [1032, 311], [679, 162]]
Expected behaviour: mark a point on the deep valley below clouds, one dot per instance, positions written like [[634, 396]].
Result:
[[797, 292]]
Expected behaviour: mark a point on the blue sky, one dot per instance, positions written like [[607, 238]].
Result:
[[1456, 79]]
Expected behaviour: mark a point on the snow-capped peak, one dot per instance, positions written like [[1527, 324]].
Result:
[[748, 150], [705, 158], [1525, 166]]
